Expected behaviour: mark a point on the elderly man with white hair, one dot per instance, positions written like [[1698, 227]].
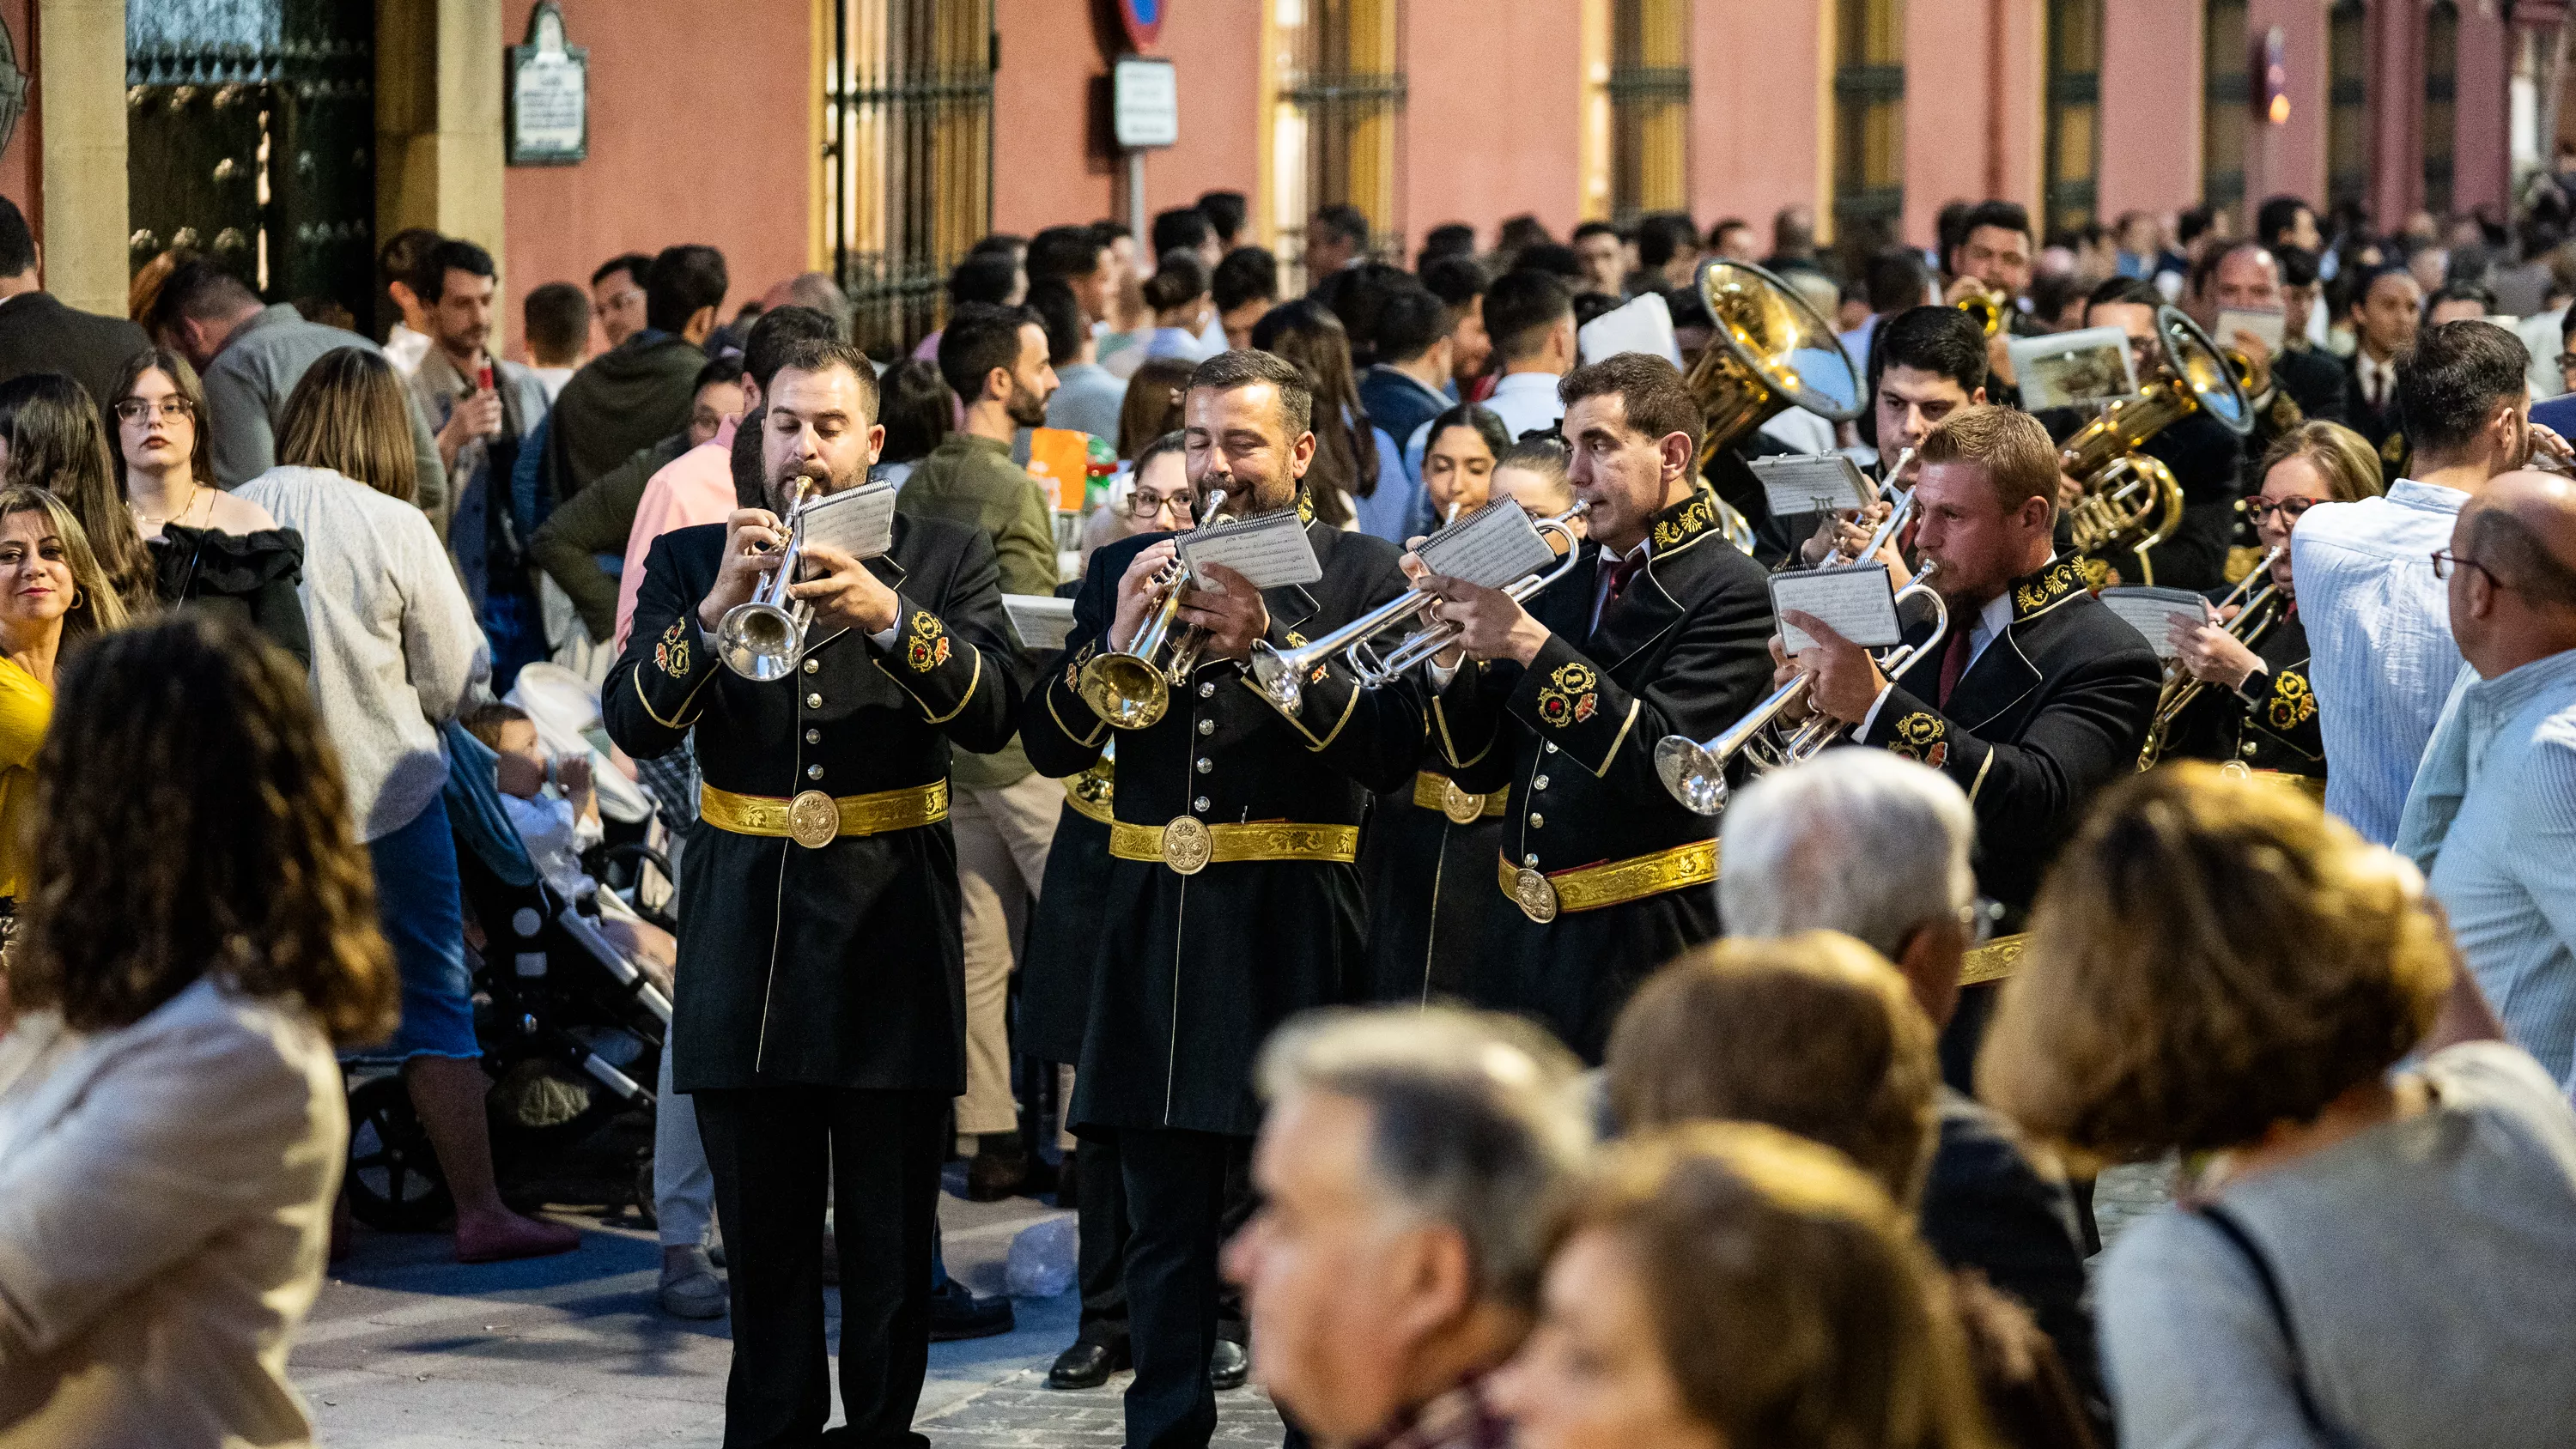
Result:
[[1876, 846], [1407, 1168]]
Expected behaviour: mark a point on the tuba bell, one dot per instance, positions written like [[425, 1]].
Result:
[[1771, 352], [2131, 502]]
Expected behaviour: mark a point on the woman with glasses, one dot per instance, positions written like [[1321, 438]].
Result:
[[2258, 708], [214, 549], [1153, 497]]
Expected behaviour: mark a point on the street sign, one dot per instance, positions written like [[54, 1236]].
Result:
[[1145, 103], [1143, 19]]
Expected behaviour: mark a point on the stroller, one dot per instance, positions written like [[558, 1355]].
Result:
[[571, 1033]]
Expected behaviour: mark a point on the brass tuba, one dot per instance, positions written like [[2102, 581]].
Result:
[[1771, 351], [2131, 502]]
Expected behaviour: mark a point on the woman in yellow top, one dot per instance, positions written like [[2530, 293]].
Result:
[[52, 593]]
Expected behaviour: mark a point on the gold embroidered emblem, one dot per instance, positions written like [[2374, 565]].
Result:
[[1187, 846], [929, 646], [671, 651], [1567, 696], [1687, 521], [2293, 703], [1920, 736], [1535, 894], [813, 820], [2057, 582]]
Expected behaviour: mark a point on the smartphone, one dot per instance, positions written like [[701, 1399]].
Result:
[[2265, 325]]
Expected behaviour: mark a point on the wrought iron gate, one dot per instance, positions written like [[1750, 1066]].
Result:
[[907, 157], [250, 135]]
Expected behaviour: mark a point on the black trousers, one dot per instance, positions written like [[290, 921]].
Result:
[[1176, 1209], [770, 1148], [1101, 1264]]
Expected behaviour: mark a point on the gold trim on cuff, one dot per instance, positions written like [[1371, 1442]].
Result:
[[1617, 882]]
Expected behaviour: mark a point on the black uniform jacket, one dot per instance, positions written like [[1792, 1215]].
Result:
[[1191, 972], [2317, 381], [2271, 724], [1685, 650], [1064, 928], [838, 967], [1430, 883], [2383, 427], [2055, 708]]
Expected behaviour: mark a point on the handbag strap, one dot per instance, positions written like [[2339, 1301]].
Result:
[[2230, 1228]]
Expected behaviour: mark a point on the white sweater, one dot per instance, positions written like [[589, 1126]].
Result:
[[395, 645]]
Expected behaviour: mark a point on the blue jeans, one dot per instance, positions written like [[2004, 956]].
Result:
[[419, 908]]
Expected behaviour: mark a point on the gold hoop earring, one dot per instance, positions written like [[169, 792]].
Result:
[[78, 598]]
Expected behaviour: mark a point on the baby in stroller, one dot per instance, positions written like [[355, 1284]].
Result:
[[558, 828]]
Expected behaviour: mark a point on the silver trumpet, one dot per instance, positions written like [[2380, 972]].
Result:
[[1131, 688], [763, 637], [1280, 674], [1894, 524], [1695, 770]]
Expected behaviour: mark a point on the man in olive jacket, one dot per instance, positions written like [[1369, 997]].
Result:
[[1004, 814]]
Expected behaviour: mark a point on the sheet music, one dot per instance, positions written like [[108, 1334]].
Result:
[[858, 521], [1810, 483], [2151, 612], [1041, 620], [1271, 551], [1493, 546], [1858, 603]]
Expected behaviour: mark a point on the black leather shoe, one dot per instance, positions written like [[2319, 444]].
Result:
[[1088, 1364], [956, 1313], [1229, 1366]]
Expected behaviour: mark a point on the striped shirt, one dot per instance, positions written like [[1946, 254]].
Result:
[[2379, 626], [2505, 868]]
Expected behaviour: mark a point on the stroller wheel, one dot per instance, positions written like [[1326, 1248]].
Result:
[[395, 1184]]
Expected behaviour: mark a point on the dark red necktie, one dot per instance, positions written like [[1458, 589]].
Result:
[[1954, 662], [1624, 570]]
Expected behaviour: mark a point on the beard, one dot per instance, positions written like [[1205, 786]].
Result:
[[782, 487], [1026, 406]]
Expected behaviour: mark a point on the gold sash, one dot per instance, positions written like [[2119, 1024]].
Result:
[[814, 819]]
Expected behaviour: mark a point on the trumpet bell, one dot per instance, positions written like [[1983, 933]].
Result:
[[1127, 691], [1986, 309], [760, 641], [1275, 673], [1695, 777]]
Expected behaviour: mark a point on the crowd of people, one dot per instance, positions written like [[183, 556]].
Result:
[[1638, 1012]]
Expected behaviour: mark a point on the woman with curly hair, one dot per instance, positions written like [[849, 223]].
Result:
[[53, 595], [199, 930], [2360, 1255]]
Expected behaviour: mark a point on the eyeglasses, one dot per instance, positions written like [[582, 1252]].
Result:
[[2290, 509], [144, 409], [2444, 560], [1147, 505]]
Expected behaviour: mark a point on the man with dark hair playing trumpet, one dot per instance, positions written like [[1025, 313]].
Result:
[[1657, 630], [1232, 902], [820, 1024], [2039, 695]]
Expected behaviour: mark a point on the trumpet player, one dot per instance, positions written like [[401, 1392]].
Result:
[[1927, 363], [1658, 629], [1232, 899], [2039, 697], [2255, 704], [817, 1025]]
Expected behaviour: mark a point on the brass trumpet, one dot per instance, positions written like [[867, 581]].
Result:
[[2181, 687], [1990, 308], [763, 637], [1695, 770], [1280, 673], [1132, 687]]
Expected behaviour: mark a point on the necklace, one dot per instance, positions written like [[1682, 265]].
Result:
[[152, 524]]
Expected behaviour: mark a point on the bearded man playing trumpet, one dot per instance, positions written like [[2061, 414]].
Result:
[[1657, 629], [1232, 902], [2039, 696]]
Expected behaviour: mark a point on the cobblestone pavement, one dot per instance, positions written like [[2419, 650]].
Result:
[[409, 1350]]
